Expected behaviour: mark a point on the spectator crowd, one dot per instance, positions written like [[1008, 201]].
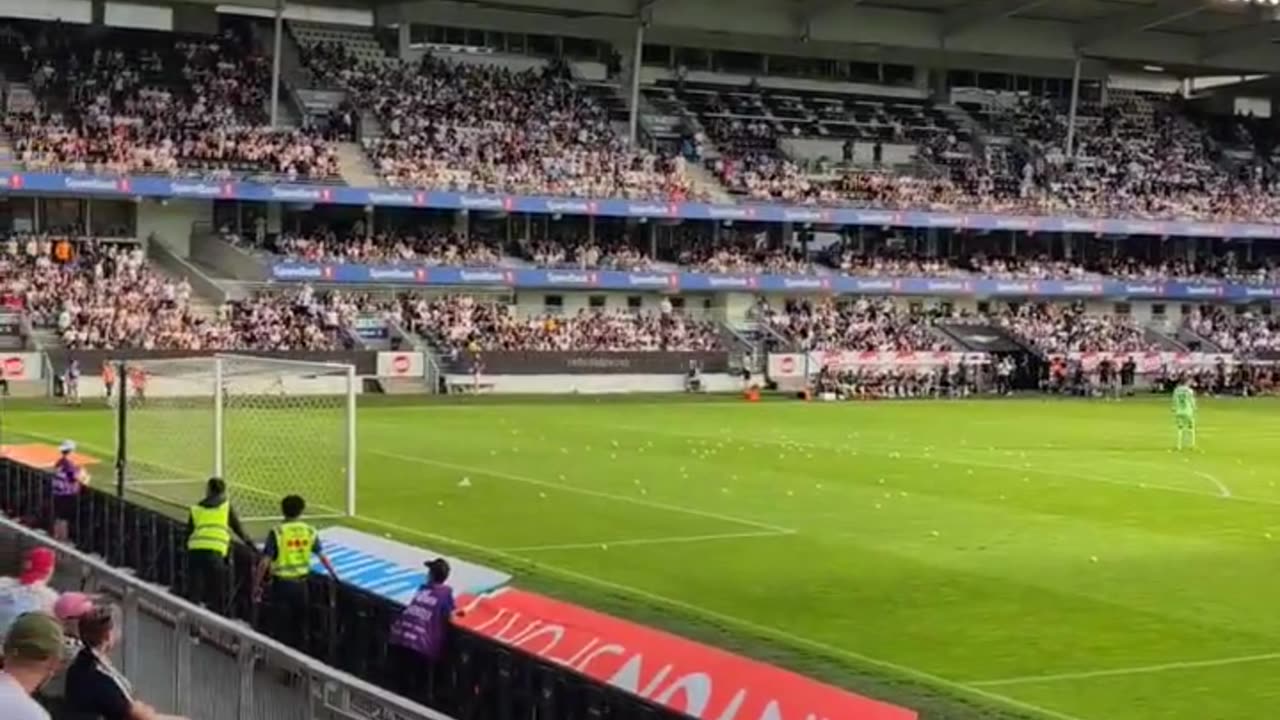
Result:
[[141, 102], [467, 324]]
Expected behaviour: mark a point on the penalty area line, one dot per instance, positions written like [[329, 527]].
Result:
[[1222, 487], [674, 540], [1120, 672], [763, 631], [584, 491]]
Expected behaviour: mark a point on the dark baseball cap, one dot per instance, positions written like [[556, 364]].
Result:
[[35, 637]]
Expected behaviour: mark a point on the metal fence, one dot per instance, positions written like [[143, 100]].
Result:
[[210, 666]]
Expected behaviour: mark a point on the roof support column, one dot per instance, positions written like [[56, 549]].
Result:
[[1071, 111]]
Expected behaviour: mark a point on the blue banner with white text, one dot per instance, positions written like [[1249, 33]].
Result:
[[701, 282], [163, 187]]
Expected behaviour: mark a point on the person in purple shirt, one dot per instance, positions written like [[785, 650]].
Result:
[[68, 479], [418, 636]]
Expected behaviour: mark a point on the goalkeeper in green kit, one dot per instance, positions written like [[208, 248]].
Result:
[[1184, 412]]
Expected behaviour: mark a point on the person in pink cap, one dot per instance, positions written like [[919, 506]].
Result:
[[30, 591]]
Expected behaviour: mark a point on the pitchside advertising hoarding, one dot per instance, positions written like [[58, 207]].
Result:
[[797, 365], [130, 186], [688, 677], [519, 278], [697, 680]]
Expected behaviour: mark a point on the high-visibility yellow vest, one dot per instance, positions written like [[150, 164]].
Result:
[[295, 542], [212, 529]]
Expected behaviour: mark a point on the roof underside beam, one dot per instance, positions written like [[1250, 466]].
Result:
[[978, 12], [811, 10], [1137, 20], [1216, 45]]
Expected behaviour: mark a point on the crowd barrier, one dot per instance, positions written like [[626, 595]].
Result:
[[343, 668]]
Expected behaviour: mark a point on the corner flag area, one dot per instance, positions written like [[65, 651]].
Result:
[[985, 559]]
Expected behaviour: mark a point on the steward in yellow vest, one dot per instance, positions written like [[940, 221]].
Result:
[[210, 524], [286, 559]]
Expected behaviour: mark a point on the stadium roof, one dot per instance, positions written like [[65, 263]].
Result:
[[1189, 37]]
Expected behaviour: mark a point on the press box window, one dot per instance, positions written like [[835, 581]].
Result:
[[554, 304], [596, 301], [634, 302]]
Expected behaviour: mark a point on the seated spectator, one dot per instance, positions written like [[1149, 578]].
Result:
[[30, 591], [94, 686], [1068, 328], [864, 324], [33, 652], [462, 323], [485, 128]]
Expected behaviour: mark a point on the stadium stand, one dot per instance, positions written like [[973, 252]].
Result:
[[148, 102]]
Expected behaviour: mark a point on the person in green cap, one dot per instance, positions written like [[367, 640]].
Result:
[[33, 653]]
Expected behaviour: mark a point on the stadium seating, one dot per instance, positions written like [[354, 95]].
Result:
[[147, 102], [865, 324], [463, 323]]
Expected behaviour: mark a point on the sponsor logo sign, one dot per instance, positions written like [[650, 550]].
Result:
[[394, 570], [400, 364], [21, 366], [700, 681]]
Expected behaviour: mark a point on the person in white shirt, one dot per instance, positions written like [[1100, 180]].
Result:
[[33, 652], [29, 592]]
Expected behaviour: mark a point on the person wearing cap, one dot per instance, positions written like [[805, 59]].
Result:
[[286, 557], [210, 524], [30, 591], [95, 688], [417, 636], [32, 654], [68, 610], [68, 479]]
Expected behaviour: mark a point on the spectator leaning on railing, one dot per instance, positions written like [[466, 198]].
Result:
[[30, 591], [33, 653], [94, 687], [418, 636]]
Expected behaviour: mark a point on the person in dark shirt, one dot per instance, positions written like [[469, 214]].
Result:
[[94, 687], [210, 524]]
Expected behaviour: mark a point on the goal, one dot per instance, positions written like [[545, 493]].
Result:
[[268, 427]]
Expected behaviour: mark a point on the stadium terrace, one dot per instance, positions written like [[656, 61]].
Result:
[[868, 360]]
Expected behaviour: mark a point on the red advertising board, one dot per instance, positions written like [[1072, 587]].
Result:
[[697, 680]]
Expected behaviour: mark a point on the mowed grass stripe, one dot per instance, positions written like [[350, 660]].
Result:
[[1180, 575]]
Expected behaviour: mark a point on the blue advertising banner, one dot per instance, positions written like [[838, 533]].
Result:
[[699, 282], [161, 187]]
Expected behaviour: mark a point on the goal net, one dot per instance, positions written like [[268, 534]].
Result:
[[267, 427]]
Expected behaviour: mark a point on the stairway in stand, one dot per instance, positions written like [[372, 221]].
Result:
[[355, 166]]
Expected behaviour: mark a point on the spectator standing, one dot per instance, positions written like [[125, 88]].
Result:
[[210, 523], [68, 478], [95, 688], [70, 608], [30, 591], [419, 634], [32, 654], [287, 557]]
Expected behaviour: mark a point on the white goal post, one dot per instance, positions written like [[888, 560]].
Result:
[[268, 427]]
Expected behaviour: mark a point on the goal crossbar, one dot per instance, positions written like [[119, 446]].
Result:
[[269, 427]]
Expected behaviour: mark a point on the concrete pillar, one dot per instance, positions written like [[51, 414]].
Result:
[[402, 41], [275, 65]]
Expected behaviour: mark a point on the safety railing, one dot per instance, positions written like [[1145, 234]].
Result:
[[190, 660]]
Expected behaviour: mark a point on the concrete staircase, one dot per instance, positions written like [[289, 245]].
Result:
[[355, 166], [705, 182]]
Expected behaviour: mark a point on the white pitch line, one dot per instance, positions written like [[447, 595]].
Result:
[[1222, 487], [768, 631], [585, 491], [648, 541], [1119, 672]]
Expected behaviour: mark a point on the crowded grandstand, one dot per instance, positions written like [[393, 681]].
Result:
[[286, 216]]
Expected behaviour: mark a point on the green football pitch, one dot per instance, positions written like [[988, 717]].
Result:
[[1023, 558]]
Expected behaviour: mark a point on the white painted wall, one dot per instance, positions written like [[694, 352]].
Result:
[[598, 384]]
